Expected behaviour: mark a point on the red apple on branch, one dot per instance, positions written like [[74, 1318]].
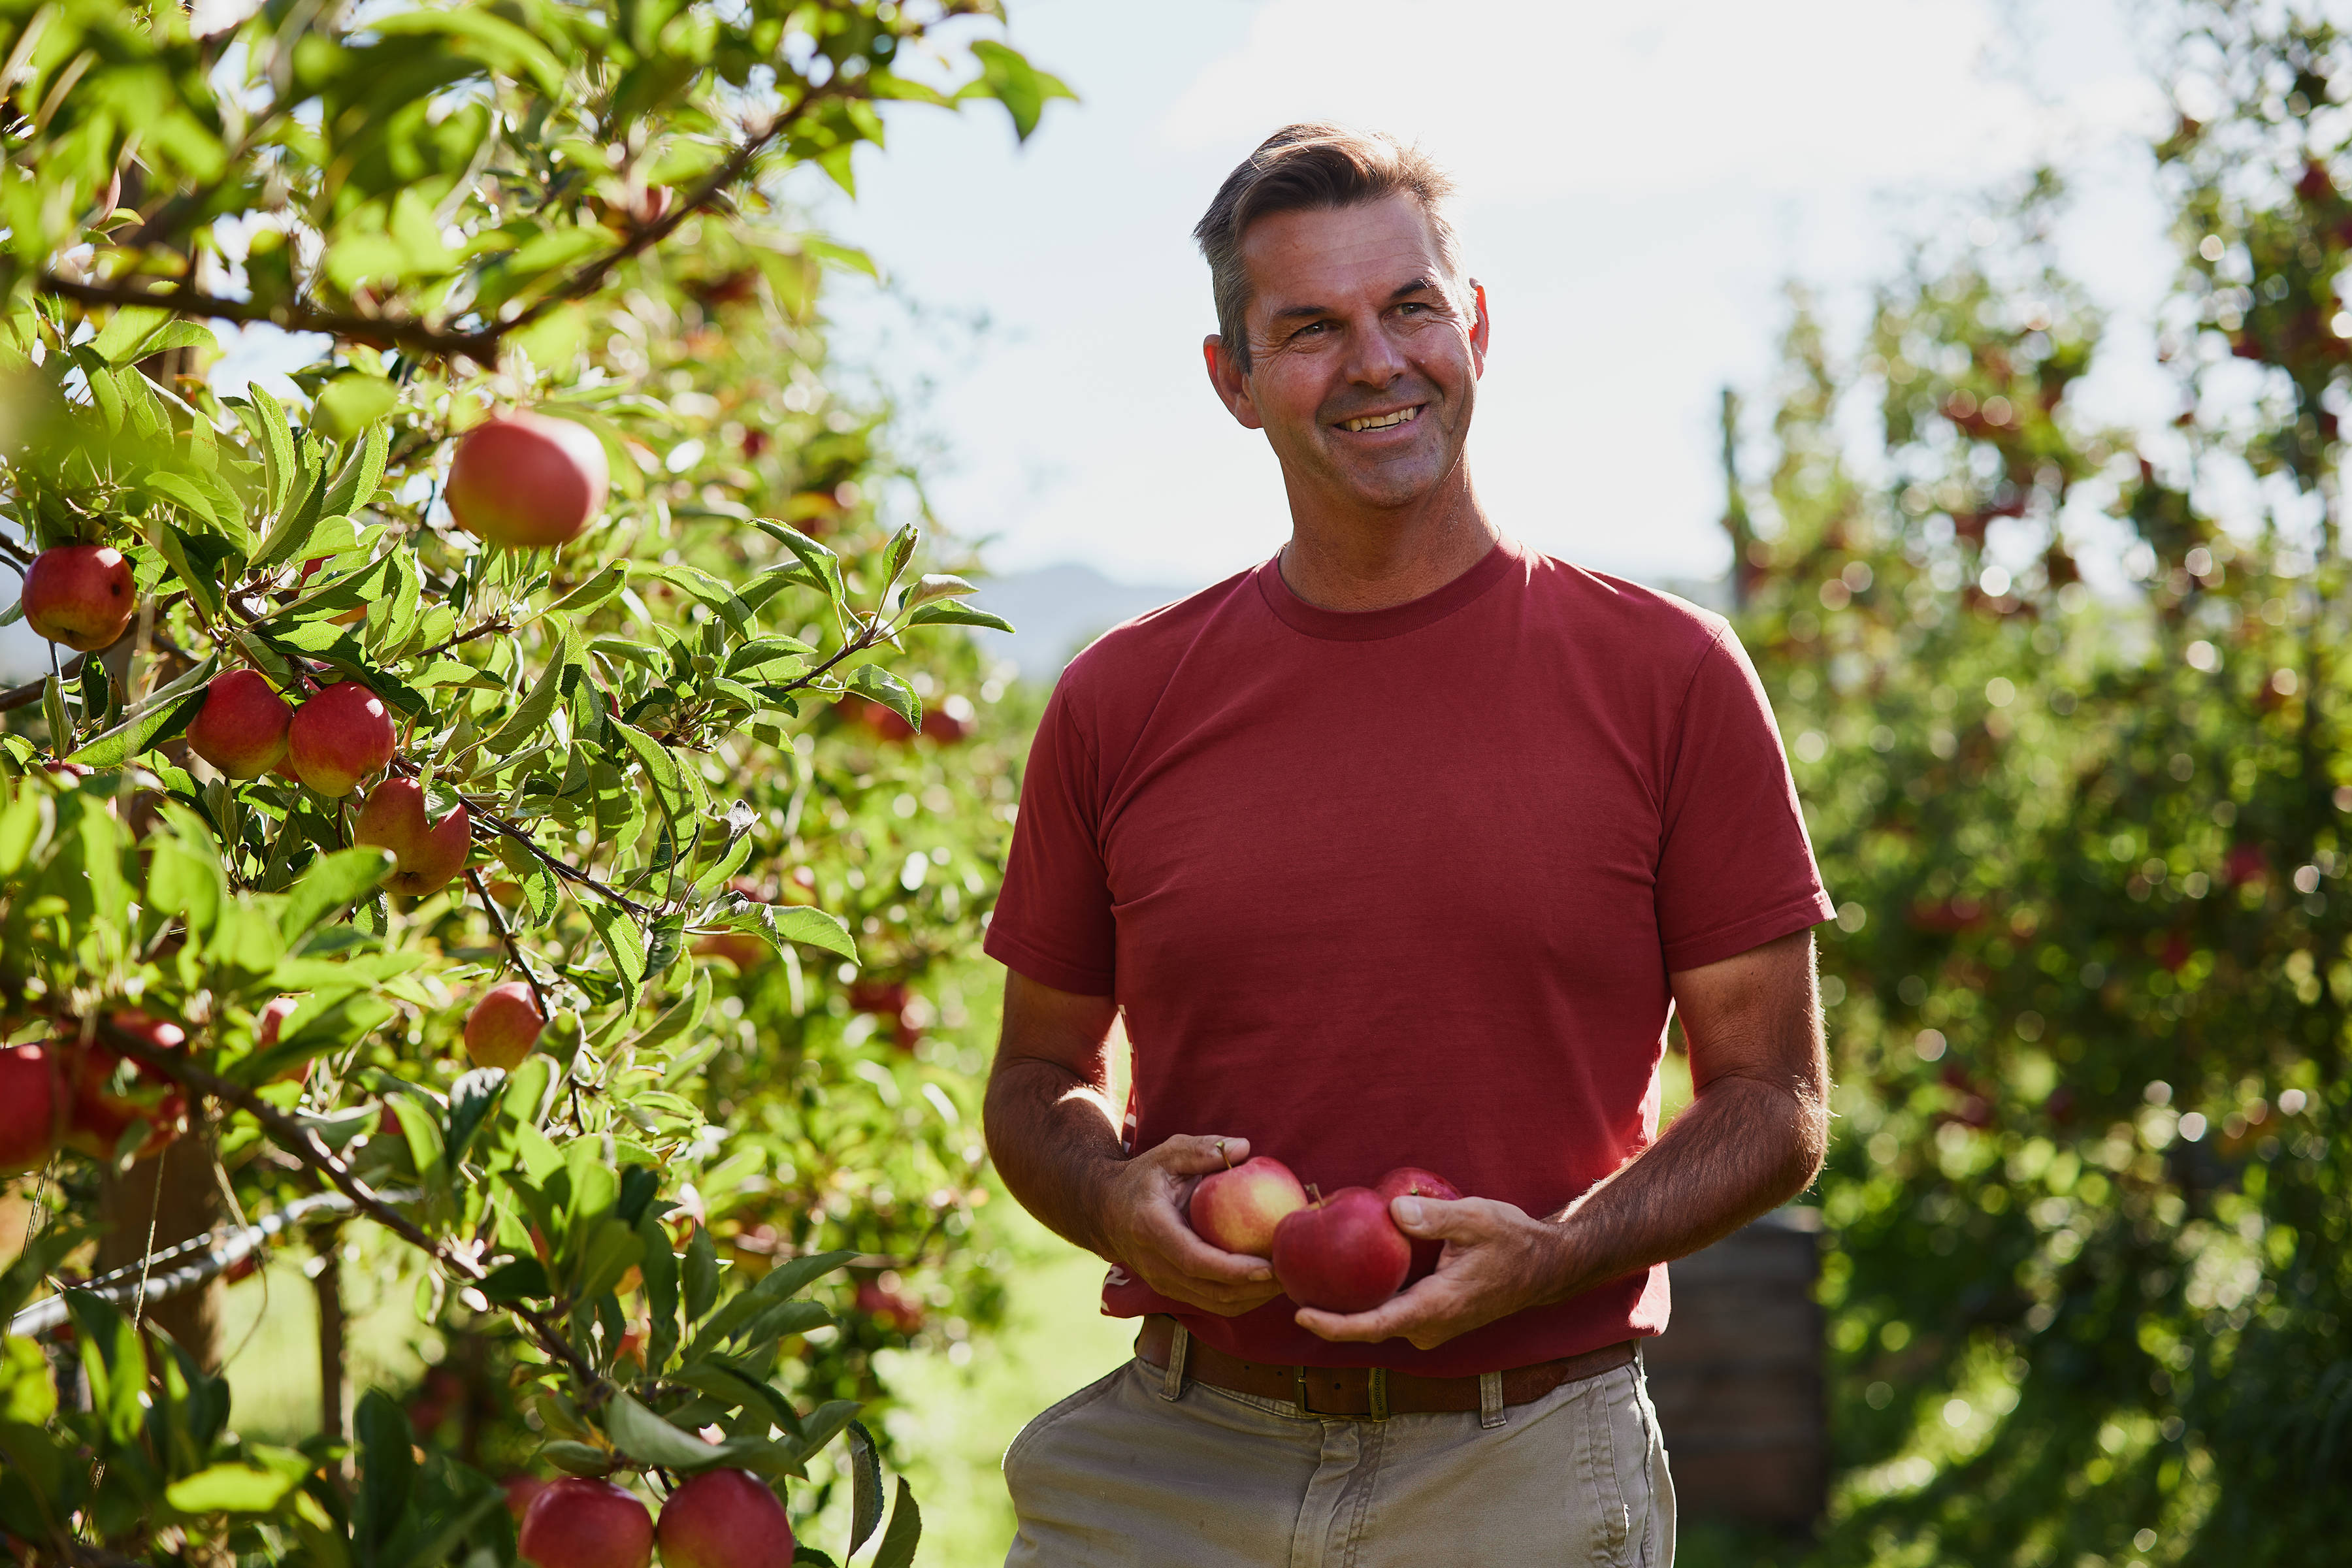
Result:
[[32, 1108], [503, 1026], [339, 737], [426, 853], [99, 1117], [1411, 1182], [1342, 1254], [79, 594], [1237, 1209], [525, 481], [241, 728], [577, 1523], [725, 1519]]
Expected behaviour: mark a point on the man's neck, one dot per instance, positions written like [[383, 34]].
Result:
[[1356, 561]]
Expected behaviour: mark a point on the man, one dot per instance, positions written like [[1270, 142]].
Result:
[[1392, 851]]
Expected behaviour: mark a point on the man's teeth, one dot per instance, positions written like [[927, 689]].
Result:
[[1381, 421]]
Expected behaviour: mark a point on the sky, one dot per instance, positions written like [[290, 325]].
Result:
[[1637, 185]]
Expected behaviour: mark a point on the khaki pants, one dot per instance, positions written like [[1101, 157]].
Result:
[[1117, 1476]]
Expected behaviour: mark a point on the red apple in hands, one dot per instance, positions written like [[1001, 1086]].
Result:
[[1342, 1254], [725, 1519], [241, 728], [523, 481], [1411, 1182], [339, 737], [427, 854], [79, 594], [576, 1522], [503, 1026], [32, 1108], [1237, 1209]]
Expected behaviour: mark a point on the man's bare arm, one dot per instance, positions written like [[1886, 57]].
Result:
[[1753, 1136], [1053, 1131]]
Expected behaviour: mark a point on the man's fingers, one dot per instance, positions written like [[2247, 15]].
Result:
[[1188, 1155], [1400, 1314], [1192, 1256], [1435, 1217]]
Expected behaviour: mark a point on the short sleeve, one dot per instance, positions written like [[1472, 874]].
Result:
[[1053, 920], [1734, 868]]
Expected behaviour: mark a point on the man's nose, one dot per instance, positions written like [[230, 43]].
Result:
[[1374, 356]]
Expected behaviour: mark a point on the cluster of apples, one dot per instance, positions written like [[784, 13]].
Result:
[[520, 481], [1342, 1252], [719, 1519], [65, 1094]]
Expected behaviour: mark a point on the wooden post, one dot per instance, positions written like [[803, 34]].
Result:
[[327, 1284], [176, 1196], [1739, 1376]]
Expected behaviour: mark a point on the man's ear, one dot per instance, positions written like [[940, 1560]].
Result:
[[1479, 324], [1230, 381]]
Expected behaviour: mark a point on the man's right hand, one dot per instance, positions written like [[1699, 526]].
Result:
[[1140, 1214]]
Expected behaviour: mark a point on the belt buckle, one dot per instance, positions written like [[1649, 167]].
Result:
[[1375, 1382]]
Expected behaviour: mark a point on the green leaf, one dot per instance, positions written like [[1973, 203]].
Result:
[[588, 595], [698, 1275], [530, 719], [576, 1458], [954, 615], [1008, 78], [873, 680], [622, 939], [361, 477], [159, 723], [659, 1267], [471, 1098], [127, 331], [866, 1487], [898, 1542], [781, 923], [819, 562], [233, 1488], [330, 884], [352, 402], [825, 1423], [787, 1279], [517, 1279], [418, 1128], [650, 1440], [661, 769], [387, 1469]]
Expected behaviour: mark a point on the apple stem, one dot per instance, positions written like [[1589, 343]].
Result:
[[1315, 1193]]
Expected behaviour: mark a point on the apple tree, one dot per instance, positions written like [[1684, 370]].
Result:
[[2089, 983], [526, 798]]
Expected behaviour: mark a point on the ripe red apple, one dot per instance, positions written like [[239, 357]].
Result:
[[578, 1523], [725, 1519], [98, 1117], [1411, 1182], [79, 594], [241, 728], [521, 1491], [503, 1026], [32, 1108], [524, 481], [339, 737], [1237, 1208], [427, 853], [1343, 1254], [266, 1025]]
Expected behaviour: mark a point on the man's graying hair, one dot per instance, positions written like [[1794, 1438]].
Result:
[[1312, 167]]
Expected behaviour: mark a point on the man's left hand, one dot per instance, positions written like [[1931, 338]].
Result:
[[1498, 1258]]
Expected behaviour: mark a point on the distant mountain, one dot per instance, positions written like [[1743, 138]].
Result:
[[1060, 609]]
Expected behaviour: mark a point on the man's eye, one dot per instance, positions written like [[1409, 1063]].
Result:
[[1308, 328]]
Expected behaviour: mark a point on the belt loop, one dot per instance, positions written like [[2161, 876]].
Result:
[[1298, 1381], [1490, 1399], [1171, 1381], [1379, 1392]]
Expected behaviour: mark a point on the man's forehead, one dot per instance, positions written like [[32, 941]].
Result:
[[1323, 256]]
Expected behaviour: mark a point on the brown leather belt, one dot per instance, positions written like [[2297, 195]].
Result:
[[1374, 1392]]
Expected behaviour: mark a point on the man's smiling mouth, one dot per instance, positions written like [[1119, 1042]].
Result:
[[1382, 421]]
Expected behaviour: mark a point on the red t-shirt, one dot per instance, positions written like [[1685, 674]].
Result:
[[1403, 888]]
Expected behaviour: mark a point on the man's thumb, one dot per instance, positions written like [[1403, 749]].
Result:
[[1423, 1216], [1200, 1157]]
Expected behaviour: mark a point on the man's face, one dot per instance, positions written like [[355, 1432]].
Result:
[[1364, 361]]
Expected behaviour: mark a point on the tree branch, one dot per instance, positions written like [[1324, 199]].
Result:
[[514, 947], [307, 1146], [375, 330]]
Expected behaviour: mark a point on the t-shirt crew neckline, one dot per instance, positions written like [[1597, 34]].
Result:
[[1370, 626]]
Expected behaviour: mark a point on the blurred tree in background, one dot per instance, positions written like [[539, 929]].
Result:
[[2089, 985], [729, 783]]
